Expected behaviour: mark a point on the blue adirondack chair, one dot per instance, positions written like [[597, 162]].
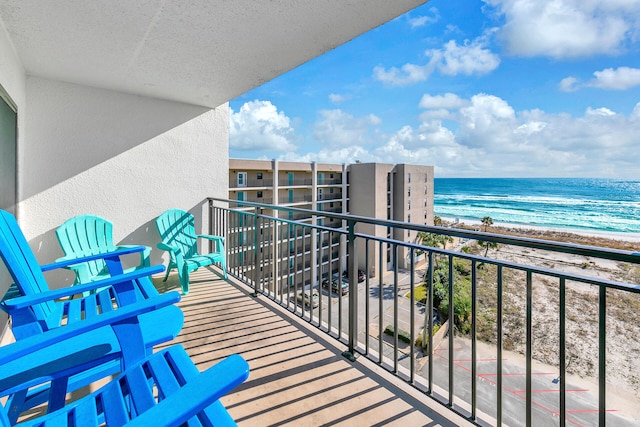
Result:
[[49, 310], [179, 238], [86, 235], [162, 388]]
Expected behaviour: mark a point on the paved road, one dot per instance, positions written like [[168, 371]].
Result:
[[581, 400]]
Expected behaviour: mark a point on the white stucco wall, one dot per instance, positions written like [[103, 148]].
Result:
[[123, 157]]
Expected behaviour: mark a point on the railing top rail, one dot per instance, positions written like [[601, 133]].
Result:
[[570, 248]]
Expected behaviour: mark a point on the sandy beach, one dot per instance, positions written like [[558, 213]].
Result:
[[623, 308], [531, 230]]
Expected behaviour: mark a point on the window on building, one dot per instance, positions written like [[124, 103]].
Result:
[[425, 203], [242, 179], [409, 177], [409, 204], [259, 194], [426, 177], [331, 190], [409, 191], [259, 175], [8, 144]]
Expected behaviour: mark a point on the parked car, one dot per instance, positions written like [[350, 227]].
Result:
[[361, 275], [308, 297], [338, 285]]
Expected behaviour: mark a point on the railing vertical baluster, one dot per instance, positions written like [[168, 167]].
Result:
[[352, 274], [367, 297], [412, 313], [330, 278], [319, 275], [529, 346], [299, 271], [303, 282], [602, 355], [233, 238], [256, 246], [474, 331], [210, 224], [499, 348], [451, 328], [278, 259], [380, 297], [395, 308], [429, 315], [339, 278], [563, 354]]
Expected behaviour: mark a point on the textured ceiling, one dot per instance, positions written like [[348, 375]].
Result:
[[202, 52]]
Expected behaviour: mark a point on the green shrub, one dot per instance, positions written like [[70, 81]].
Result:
[[403, 336], [461, 293]]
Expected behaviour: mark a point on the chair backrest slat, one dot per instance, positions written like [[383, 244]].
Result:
[[177, 228], [22, 264], [85, 235]]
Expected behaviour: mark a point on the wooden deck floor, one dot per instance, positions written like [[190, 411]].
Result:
[[298, 375]]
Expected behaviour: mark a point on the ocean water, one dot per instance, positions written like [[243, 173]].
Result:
[[580, 204]]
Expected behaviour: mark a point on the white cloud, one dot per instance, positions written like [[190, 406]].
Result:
[[336, 98], [568, 84], [406, 75], [599, 112], [484, 136], [567, 28], [446, 101], [421, 21], [440, 107], [488, 121], [470, 58], [619, 79], [335, 128], [259, 126]]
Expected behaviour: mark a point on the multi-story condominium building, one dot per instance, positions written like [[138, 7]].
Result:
[[399, 192], [395, 192]]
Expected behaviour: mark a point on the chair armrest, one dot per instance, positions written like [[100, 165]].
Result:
[[198, 393], [29, 300], [144, 255], [67, 261], [37, 342], [168, 248], [210, 237]]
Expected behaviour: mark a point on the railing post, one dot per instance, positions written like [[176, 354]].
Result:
[[352, 274]]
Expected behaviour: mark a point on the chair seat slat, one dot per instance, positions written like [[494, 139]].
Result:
[[114, 406], [74, 310], [141, 390]]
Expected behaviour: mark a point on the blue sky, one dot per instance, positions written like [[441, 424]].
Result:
[[476, 88]]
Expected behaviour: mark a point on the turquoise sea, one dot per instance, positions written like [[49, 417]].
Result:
[[580, 204]]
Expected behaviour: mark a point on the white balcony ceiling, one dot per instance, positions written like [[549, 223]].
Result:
[[202, 52]]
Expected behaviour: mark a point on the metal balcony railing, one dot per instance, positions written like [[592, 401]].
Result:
[[491, 298], [286, 182]]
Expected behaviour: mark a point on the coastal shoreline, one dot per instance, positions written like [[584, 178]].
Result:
[[598, 238]]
